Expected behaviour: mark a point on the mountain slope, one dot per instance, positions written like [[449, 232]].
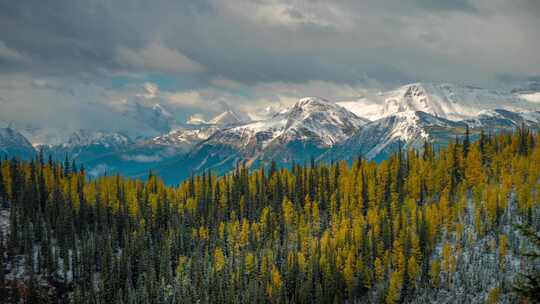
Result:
[[382, 137], [502, 120], [313, 127], [146, 120], [13, 143], [84, 145], [448, 101], [306, 129], [136, 159], [311, 118], [184, 138], [228, 118]]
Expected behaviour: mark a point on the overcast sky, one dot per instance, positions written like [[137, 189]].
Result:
[[61, 59]]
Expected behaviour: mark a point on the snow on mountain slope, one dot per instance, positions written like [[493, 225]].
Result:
[[13, 143], [136, 159], [309, 119], [88, 138], [148, 119], [448, 101], [45, 136], [307, 128], [533, 116], [228, 118], [39, 135], [438, 100], [10, 137], [366, 107], [382, 137], [136, 120], [499, 119], [84, 145], [310, 127], [184, 137], [330, 122], [265, 113]]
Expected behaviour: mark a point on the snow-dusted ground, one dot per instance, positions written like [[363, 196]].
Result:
[[477, 263], [478, 266], [15, 269], [4, 221], [477, 269]]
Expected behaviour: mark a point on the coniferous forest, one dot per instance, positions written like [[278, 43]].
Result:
[[422, 226]]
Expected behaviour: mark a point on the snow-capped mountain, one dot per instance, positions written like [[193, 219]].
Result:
[[382, 137], [137, 158], [40, 137], [83, 138], [184, 137], [266, 113], [148, 119], [311, 119], [500, 120], [448, 101], [312, 127], [13, 143], [228, 118], [84, 145], [306, 129], [378, 139]]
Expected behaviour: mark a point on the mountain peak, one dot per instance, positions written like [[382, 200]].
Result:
[[310, 119], [413, 97], [312, 100], [446, 100], [160, 110], [312, 104], [87, 138], [13, 143], [414, 89], [229, 117], [320, 108]]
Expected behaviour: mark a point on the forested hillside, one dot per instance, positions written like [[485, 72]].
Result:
[[429, 226]]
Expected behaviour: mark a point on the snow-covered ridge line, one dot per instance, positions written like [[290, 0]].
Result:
[[310, 118], [444, 100], [373, 126]]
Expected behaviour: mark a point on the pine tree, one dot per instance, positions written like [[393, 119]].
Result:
[[466, 141], [528, 284]]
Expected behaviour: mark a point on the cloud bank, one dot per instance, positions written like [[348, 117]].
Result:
[[66, 56]]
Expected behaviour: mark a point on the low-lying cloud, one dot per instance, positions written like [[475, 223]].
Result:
[[61, 58]]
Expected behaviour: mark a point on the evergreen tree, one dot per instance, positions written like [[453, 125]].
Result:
[[528, 284]]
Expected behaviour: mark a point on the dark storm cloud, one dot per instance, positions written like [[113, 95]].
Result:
[[341, 41], [66, 36]]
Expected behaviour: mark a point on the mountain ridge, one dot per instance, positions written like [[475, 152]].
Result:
[[312, 127]]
